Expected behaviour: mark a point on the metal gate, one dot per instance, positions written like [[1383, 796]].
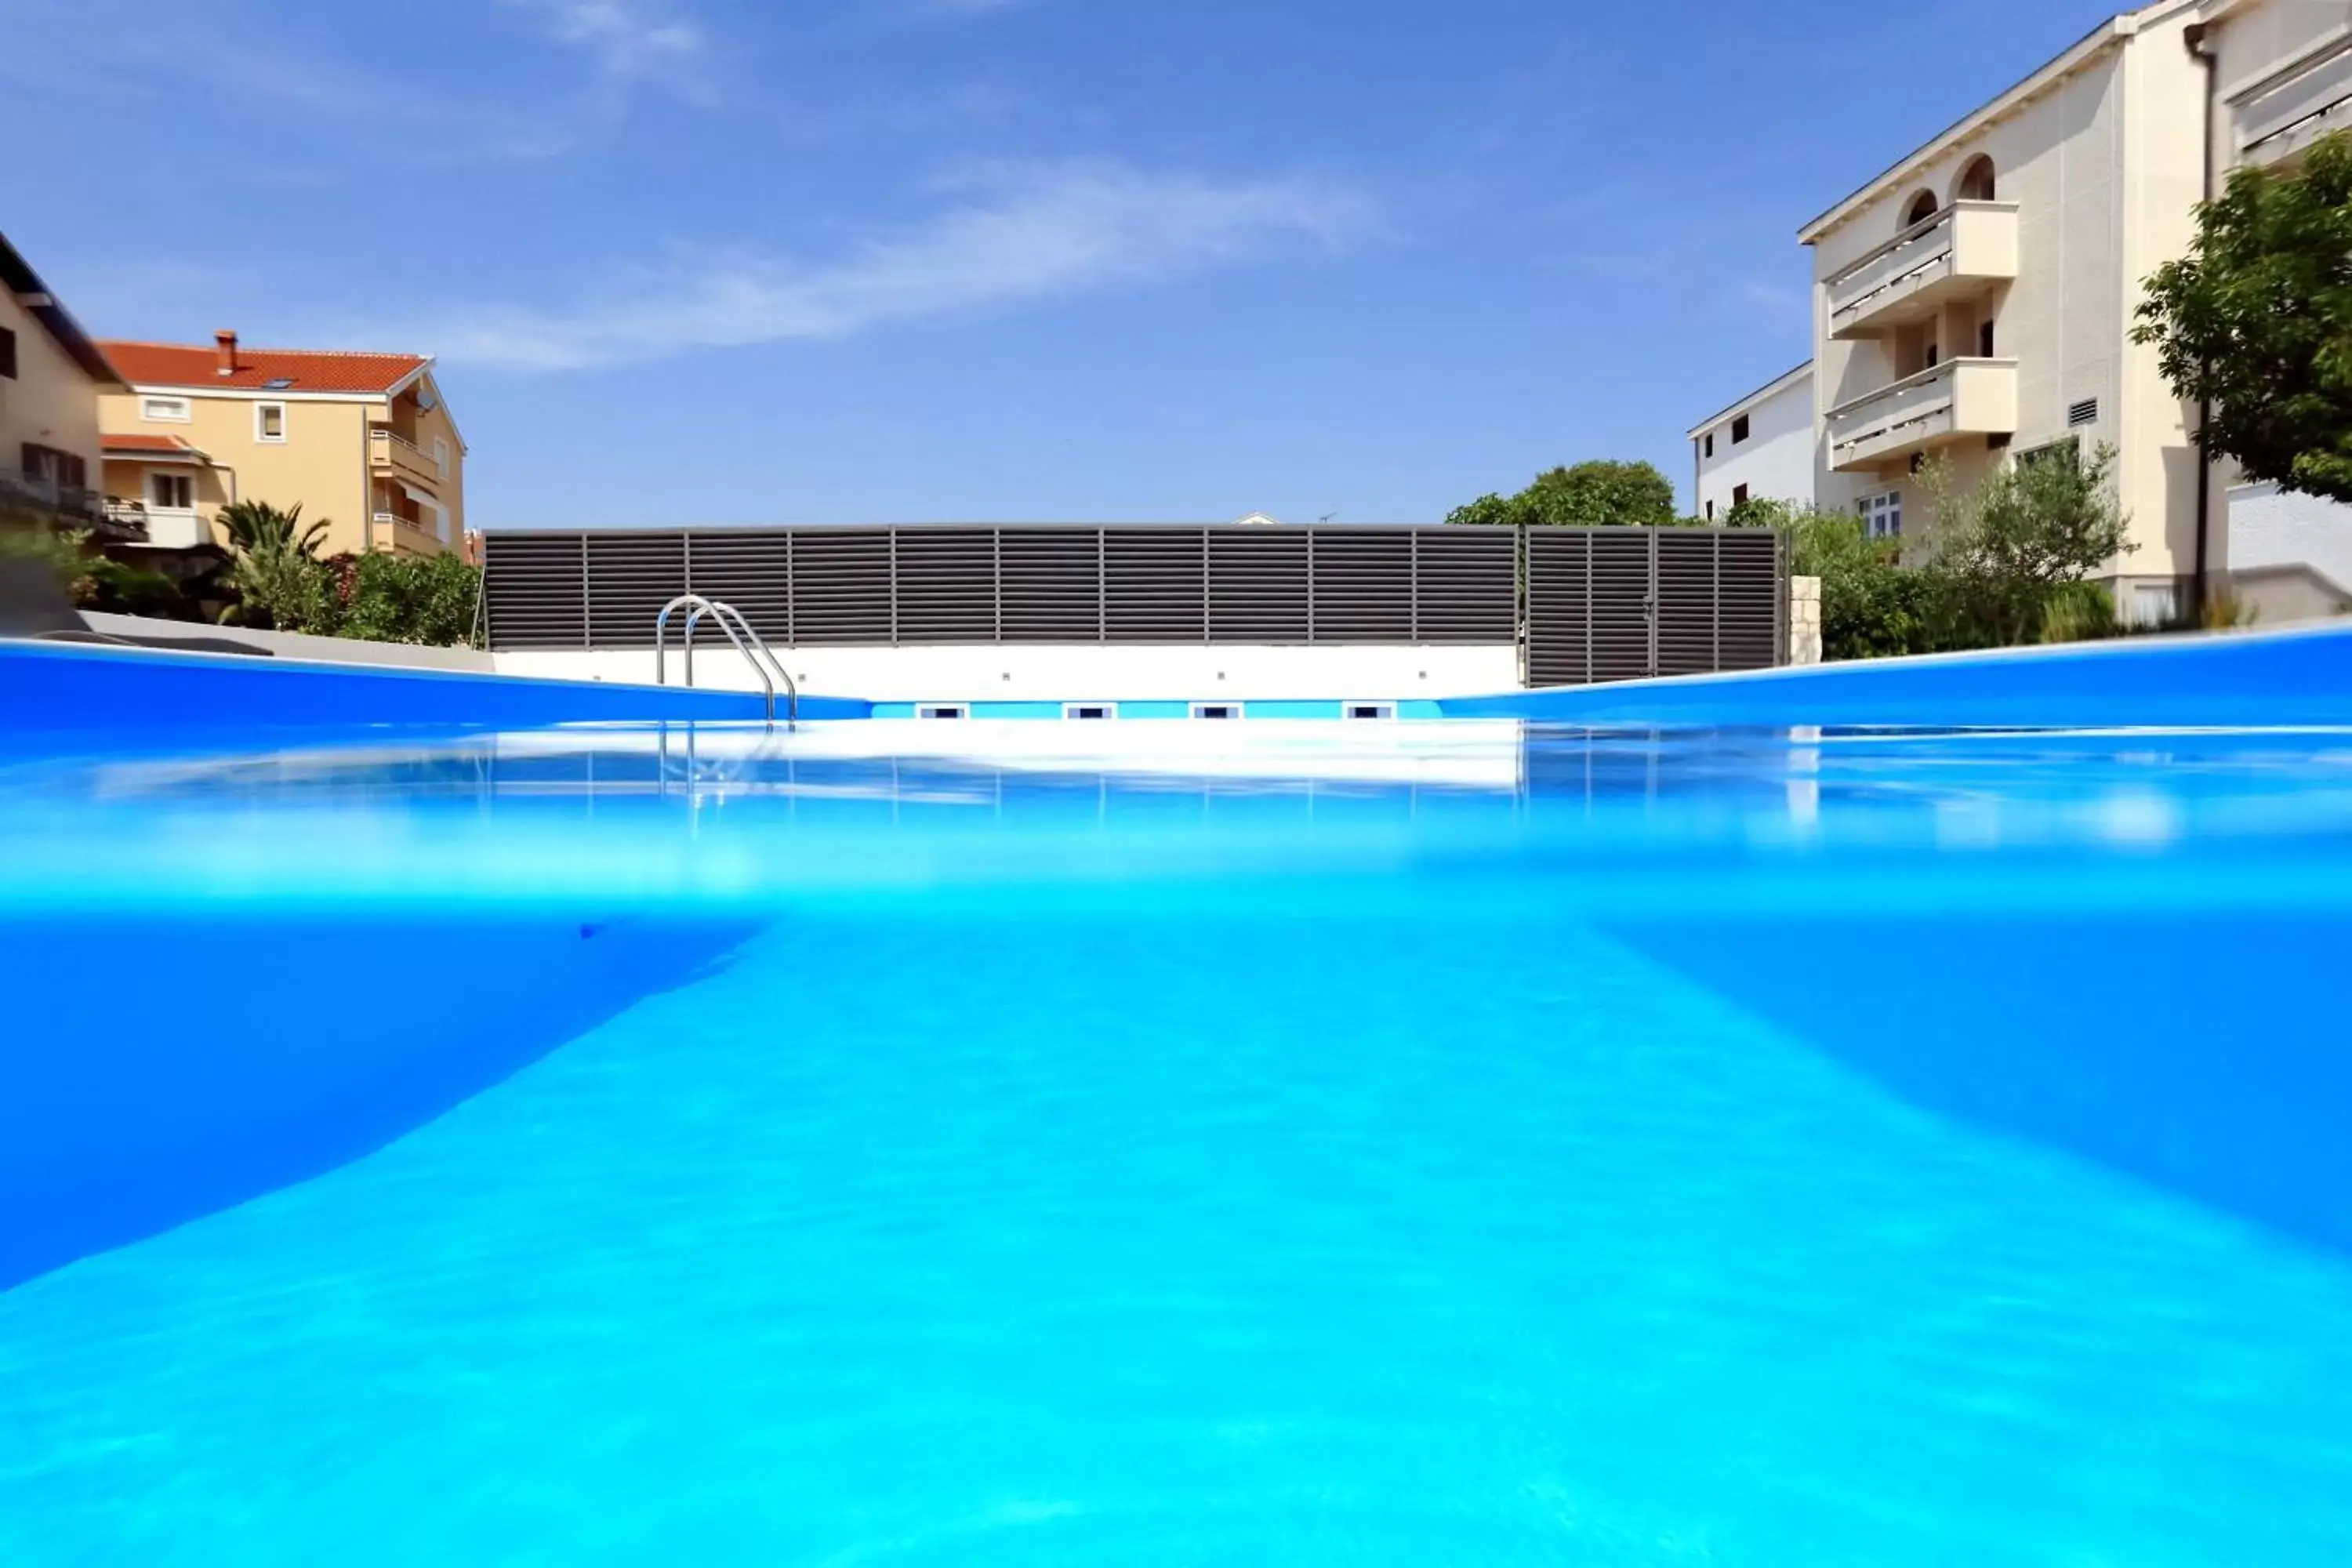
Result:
[[1623, 603]]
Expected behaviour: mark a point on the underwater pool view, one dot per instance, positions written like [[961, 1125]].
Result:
[[1061, 1143]]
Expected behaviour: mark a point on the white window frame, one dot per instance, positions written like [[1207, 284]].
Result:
[[149, 407], [263, 437], [1882, 514], [441, 455], [177, 482]]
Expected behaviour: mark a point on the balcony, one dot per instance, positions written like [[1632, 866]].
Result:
[[390, 456], [1957, 399], [1956, 254], [405, 536], [2279, 117], [44, 497]]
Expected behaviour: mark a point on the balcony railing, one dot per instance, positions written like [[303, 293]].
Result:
[[1953, 254], [392, 453], [1959, 398], [393, 532], [69, 505]]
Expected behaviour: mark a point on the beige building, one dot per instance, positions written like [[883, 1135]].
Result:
[[362, 440], [1975, 301], [51, 376]]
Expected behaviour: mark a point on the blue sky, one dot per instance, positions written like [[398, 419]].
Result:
[[722, 260]]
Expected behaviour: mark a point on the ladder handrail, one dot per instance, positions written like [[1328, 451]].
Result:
[[730, 619], [723, 611]]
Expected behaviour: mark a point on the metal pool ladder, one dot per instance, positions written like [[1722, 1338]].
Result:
[[755, 651]]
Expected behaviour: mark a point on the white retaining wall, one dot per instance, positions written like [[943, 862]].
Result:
[[1071, 672]]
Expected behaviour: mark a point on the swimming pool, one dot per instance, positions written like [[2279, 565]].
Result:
[[1404, 1143]]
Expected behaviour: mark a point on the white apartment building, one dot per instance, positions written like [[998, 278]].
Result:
[[1976, 301], [1760, 448]]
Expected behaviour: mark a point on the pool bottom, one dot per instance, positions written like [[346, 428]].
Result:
[[1024, 1237]]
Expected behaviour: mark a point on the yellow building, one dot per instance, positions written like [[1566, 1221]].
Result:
[[362, 440], [51, 376]]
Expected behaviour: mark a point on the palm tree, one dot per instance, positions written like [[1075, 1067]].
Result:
[[277, 576], [256, 528]]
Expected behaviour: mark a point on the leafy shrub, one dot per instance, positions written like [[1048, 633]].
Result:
[[429, 599], [2079, 612]]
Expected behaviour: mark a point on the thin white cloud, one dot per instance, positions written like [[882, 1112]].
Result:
[[1017, 233], [627, 38]]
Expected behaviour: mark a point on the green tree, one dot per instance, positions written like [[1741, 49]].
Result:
[[1596, 494], [427, 599], [275, 573], [2256, 321], [2002, 552]]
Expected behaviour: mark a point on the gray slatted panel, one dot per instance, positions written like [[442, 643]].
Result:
[[630, 577], [1051, 585], [1754, 589], [1559, 592], [1686, 601], [534, 591], [1621, 603], [841, 586], [751, 570], [1363, 584], [1465, 585], [1154, 584], [1258, 585], [947, 584]]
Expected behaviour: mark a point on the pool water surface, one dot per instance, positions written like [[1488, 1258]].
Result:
[[1428, 1143]]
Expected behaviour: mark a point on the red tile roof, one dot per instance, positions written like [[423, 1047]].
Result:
[[302, 370], [163, 445]]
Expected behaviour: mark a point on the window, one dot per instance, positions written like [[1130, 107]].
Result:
[[2084, 412], [441, 455], [1216, 710], [1740, 430], [8, 353], [1374, 711], [1984, 340], [1088, 710], [47, 464], [1923, 206], [941, 711], [1933, 353], [1739, 495], [1708, 446], [2067, 449], [171, 492], [172, 410], [1882, 515], [1710, 512], [269, 421]]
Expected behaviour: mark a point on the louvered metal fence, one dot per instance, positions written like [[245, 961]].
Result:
[[1600, 605], [809, 586]]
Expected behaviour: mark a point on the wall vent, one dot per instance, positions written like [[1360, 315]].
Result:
[[2084, 412]]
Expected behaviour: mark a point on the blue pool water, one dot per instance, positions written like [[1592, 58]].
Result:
[[1396, 1143]]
